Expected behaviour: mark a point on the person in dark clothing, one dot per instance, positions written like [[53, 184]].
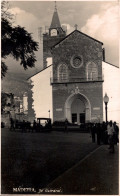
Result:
[[12, 127], [49, 125], [34, 126], [66, 126], [23, 126], [93, 130], [28, 126], [116, 134], [104, 135], [98, 130]]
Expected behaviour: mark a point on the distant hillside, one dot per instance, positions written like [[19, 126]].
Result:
[[15, 80]]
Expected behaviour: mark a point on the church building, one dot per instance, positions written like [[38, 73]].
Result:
[[74, 79]]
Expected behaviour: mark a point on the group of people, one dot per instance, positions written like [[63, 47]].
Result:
[[107, 133], [26, 126], [23, 125]]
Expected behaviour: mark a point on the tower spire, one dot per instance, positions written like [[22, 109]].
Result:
[[55, 19]]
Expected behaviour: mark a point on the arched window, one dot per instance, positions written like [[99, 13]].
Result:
[[92, 71], [62, 72]]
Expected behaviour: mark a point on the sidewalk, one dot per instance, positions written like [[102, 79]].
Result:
[[96, 174]]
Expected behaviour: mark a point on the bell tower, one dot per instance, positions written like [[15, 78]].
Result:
[[54, 35]]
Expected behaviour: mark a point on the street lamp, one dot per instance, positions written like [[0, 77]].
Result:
[[106, 100], [49, 113]]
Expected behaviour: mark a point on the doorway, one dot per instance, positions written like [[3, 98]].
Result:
[[74, 118], [78, 111], [82, 118], [77, 106]]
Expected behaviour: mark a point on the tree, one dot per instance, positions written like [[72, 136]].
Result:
[[16, 42], [31, 111], [4, 100]]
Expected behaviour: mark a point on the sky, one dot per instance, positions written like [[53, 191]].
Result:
[[98, 19]]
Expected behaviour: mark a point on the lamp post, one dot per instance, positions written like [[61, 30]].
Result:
[[49, 113], [106, 100]]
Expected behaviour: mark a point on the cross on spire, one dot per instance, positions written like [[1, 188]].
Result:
[[76, 26], [55, 6]]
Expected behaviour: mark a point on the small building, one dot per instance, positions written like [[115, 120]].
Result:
[[74, 79]]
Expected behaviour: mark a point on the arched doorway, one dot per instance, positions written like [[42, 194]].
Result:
[[77, 108]]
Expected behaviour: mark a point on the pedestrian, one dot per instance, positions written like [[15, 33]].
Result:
[[28, 126], [98, 130], [49, 125], [93, 130], [66, 126], [116, 136], [12, 127], [34, 126], [104, 134], [23, 126], [110, 130]]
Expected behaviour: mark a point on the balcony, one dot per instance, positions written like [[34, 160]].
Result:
[[75, 80]]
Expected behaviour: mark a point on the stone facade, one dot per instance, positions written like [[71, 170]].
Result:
[[77, 44], [77, 85], [88, 91]]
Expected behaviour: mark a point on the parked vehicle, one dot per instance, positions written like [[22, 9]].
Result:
[[43, 124]]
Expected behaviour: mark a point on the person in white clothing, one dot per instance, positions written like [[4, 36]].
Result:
[[110, 130]]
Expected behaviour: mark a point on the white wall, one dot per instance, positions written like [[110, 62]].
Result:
[[42, 93], [111, 86], [49, 61]]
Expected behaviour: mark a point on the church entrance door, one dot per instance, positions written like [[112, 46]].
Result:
[[74, 118], [77, 109], [82, 118]]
